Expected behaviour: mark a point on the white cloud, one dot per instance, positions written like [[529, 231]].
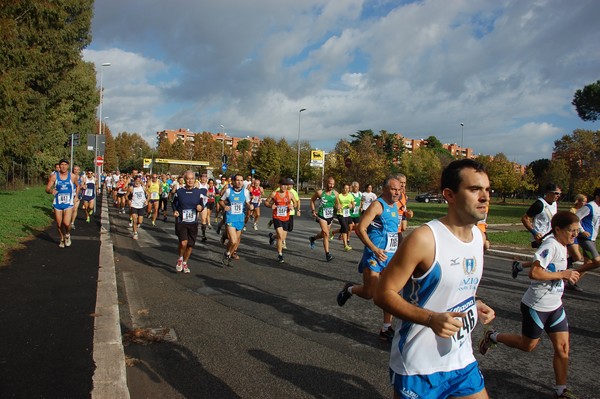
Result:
[[505, 68]]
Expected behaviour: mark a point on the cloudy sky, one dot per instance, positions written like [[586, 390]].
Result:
[[506, 69]]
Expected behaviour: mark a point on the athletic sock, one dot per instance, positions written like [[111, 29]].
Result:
[[350, 289], [560, 389], [494, 337], [386, 326]]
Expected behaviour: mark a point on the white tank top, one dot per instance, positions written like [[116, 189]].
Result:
[[541, 221], [450, 284], [139, 197]]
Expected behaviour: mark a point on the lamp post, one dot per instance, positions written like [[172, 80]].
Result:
[[462, 135], [223, 134], [106, 64], [298, 163]]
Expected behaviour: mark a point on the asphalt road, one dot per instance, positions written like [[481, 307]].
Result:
[[262, 329]]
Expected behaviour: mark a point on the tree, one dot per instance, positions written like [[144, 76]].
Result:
[[587, 102], [422, 169], [267, 161], [503, 177], [581, 152]]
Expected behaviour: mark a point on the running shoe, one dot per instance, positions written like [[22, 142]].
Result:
[[271, 239], [284, 246], [255, 226], [179, 266], [204, 238], [344, 295], [186, 269], [387, 335], [153, 223], [235, 256], [87, 218], [280, 259], [331, 236], [226, 259], [486, 342], [68, 240], [209, 226], [61, 244], [347, 248], [72, 226], [566, 395], [130, 223], [135, 236], [515, 268], [312, 242], [329, 257]]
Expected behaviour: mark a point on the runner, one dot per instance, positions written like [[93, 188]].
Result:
[[368, 196], [282, 202], [590, 223], [120, 191], [165, 191], [327, 198], [187, 205], [378, 230], [62, 185], [204, 214], [256, 194], [541, 306], [439, 265], [210, 204], [139, 199], [89, 193], [76, 195], [345, 204], [233, 201], [355, 211], [296, 211], [404, 213], [153, 188]]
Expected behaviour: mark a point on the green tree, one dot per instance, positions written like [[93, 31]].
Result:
[[504, 179], [587, 102], [422, 169], [581, 152], [267, 161]]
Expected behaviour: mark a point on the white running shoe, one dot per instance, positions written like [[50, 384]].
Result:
[[68, 240], [179, 266], [62, 244]]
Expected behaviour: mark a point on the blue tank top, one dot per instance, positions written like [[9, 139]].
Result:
[[65, 189], [237, 203], [383, 230]]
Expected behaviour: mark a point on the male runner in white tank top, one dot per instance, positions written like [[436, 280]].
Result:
[[438, 268]]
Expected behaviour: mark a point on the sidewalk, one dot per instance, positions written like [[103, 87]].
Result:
[[47, 318]]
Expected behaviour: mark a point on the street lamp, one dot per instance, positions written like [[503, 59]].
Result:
[[462, 135], [223, 134], [298, 163], [106, 64]]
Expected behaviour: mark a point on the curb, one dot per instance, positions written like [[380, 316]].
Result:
[[110, 377]]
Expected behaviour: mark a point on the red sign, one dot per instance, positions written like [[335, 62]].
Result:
[[99, 160]]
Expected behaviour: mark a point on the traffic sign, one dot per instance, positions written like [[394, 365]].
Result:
[[99, 160], [224, 166]]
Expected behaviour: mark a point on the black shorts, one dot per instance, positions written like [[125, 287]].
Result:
[[280, 223], [355, 219], [210, 206], [328, 220], [138, 211], [552, 322], [187, 232], [344, 223]]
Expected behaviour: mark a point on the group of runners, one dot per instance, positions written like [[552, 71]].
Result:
[[427, 280]]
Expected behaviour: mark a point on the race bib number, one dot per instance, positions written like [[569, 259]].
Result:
[[154, 195], [255, 198], [468, 321], [188, 215], [63, 198], [392, 242], [237, 208], [356, 210], [327, 213], [346, 212], [88, 192], [282, 210], [139, 195]]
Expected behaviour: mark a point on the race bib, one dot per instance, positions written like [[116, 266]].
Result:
[[188, 215], [237, 208], [356, 210], [327, 213], [346, 212], [469, 320], [64, 198], [139, 195], [256, 199], [282, 210], [88, 192], [392, 242], [154, 195]]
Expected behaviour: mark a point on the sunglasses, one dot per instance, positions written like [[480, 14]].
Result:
[[556, 193]]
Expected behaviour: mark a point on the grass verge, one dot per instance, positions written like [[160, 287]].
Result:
[[24, 213]]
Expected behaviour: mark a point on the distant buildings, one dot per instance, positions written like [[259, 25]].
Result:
[[226, 140]]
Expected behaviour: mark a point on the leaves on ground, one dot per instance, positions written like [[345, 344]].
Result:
[[144, 336]]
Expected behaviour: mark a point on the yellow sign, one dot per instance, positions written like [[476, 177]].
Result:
[[147, 162], [317, 155], [181, 162]]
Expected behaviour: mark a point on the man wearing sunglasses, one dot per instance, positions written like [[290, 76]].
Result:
[[537, 221]]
